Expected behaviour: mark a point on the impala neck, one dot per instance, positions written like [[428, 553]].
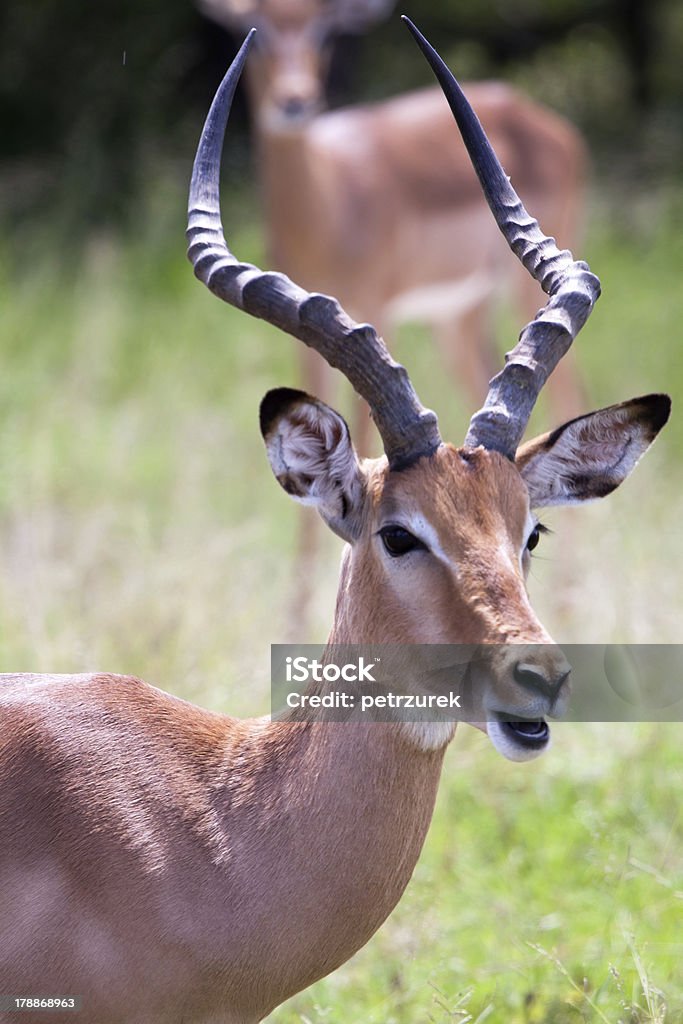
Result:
[[287, 188], [338, 842], [283, 171], [341, 839]]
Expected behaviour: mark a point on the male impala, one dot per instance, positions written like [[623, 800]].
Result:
[[378, 204], [171, 864]]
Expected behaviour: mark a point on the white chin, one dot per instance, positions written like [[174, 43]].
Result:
[[515, 747]]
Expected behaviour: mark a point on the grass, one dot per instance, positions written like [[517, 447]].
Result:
[[549, 894], [141, 532]]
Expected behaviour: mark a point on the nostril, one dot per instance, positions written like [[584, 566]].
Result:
[[532, 677]]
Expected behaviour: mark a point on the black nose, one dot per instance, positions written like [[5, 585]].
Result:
[[539, 680]]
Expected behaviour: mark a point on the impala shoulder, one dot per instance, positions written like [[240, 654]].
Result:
[[52, 708]]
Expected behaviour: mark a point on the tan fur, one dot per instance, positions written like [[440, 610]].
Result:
[[478, 508], [169, 864]]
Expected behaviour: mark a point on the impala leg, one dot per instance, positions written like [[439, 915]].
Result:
[[467, 350], [565, 390], [362, 431], [316, 375], [464, 334]]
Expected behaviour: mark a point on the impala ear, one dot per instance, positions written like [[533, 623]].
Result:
[[591, 455], [310, 452]]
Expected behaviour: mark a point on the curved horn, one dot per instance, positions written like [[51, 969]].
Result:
[[407, 429], [573, 289]]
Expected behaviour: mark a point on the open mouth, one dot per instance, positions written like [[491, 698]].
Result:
[[531, 733], [518, 739]]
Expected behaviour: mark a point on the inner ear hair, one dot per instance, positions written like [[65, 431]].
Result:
[[311, 454], [276, 403], [588, 457]]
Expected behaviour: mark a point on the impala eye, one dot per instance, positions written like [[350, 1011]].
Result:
[[398, 541], [535, 536]]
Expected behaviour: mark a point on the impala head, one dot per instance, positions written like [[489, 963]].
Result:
[[290, 60], [438, 537]]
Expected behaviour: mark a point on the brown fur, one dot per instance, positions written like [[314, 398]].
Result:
[[169, 864]]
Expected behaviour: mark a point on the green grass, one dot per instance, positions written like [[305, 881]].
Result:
[[541, 893], [141, 532]]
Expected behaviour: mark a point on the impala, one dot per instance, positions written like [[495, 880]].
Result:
[[170, 864]]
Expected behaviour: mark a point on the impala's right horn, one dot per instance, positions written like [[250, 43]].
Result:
[[573, 289], [407, 429]]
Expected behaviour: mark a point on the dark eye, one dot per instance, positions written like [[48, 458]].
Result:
[[398, 541], [535, 536]]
